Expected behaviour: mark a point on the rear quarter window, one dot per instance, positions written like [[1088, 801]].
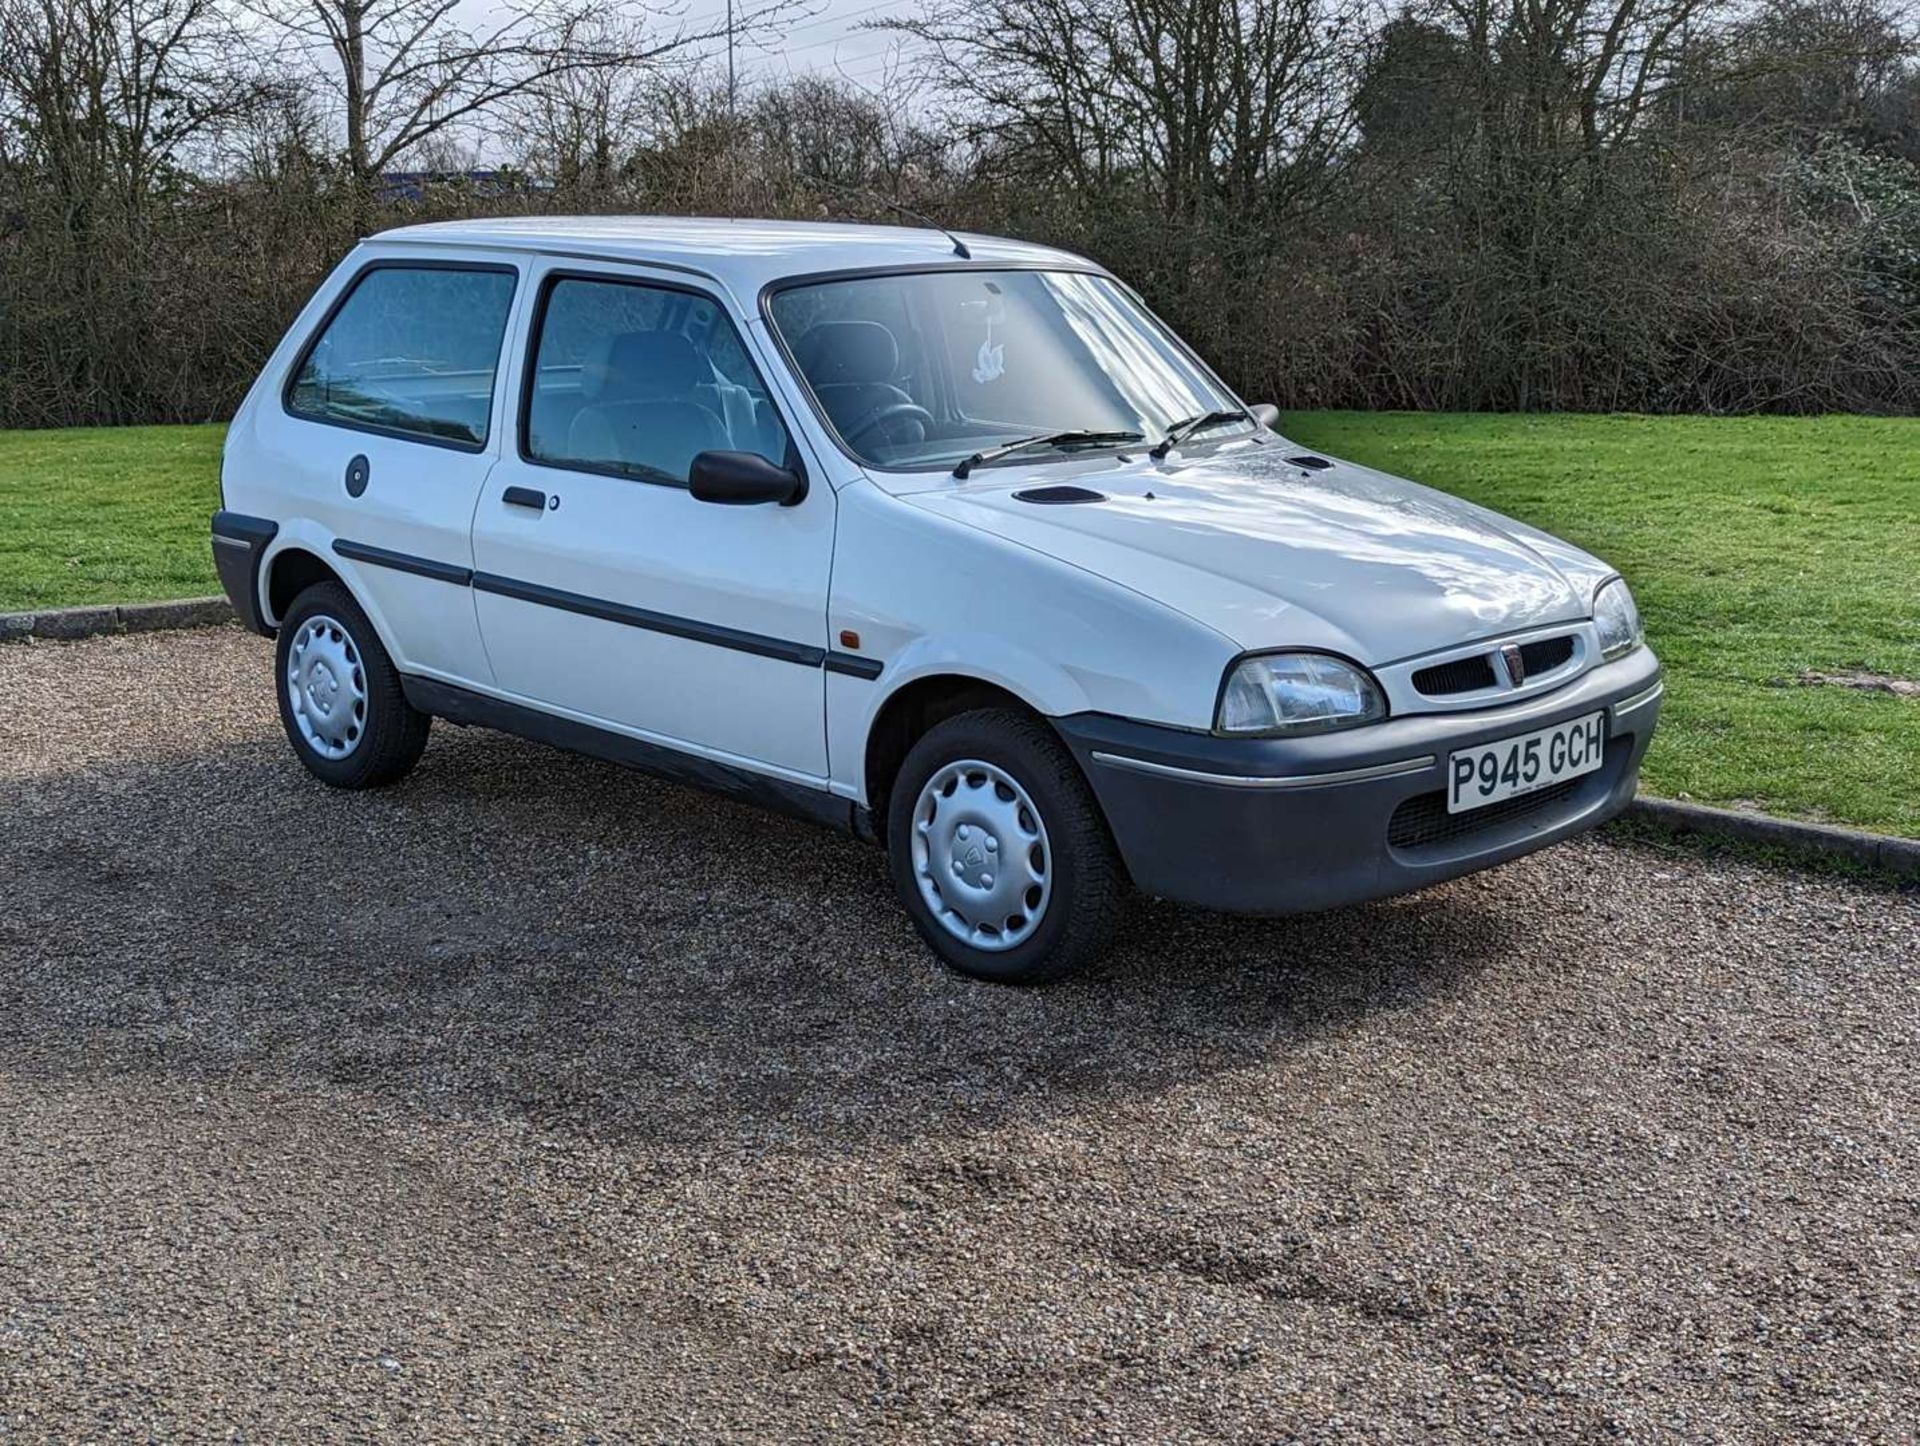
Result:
[[410, 350]]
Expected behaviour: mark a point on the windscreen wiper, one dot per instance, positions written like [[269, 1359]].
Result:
[[1181, 430], [1044, 439]]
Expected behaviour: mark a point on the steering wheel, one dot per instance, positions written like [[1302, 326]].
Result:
[[891, 412]]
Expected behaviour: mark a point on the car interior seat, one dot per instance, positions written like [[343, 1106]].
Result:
[[642, 405], [851, 366]]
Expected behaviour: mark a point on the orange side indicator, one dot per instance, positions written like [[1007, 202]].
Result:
[[849, 638]]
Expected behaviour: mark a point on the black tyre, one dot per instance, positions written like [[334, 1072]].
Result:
[[999, 851], [340, 696]]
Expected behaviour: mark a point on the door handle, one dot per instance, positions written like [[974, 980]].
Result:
[[525, 497]]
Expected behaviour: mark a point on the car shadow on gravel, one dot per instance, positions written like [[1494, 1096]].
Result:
[[520, 933]]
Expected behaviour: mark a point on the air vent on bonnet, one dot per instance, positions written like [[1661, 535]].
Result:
[[1311, 463], [1056, 496]]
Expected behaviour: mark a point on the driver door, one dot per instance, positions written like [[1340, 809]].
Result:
[[605, 590]]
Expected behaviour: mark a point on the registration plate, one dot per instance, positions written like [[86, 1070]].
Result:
[[1513, 766]]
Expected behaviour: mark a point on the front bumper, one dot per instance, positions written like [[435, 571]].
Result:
[[1291, 825]]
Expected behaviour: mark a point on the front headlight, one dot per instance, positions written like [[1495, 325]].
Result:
[[1616, 619], [1298, 693]]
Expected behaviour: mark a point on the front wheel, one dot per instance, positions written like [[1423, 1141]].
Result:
[[340, 697], [999, 851]]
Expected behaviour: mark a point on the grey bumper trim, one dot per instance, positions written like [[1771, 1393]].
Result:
[[239, 547], [1639, 700], [1295, 780], [1288, 825]]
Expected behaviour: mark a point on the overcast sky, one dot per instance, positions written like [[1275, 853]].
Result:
[[823, 36]]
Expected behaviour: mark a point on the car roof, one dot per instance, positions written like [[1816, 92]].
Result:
[[743, 255]]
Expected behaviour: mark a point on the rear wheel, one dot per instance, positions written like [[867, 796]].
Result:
[[999, 851], [340, 697]]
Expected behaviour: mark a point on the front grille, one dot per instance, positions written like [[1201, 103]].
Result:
[[1462, 675], [1470, 675], [1423, 819], [1545, 655]]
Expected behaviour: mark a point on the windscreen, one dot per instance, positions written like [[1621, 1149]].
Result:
[[921, 369]]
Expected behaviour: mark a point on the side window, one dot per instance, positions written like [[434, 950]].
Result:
[[412, 350], [638, 380]]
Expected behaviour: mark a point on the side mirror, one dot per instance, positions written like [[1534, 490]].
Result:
[[741, 479], [1266, 414]]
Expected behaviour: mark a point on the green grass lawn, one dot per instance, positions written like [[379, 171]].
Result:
[[107, 515], [1759, 549]]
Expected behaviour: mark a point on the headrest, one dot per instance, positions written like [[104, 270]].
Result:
[[642, 366], [835, 353]]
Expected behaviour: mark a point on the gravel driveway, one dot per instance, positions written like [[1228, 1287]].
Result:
[[536, 1100]]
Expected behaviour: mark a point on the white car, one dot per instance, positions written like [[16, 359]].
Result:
[[944, 541]]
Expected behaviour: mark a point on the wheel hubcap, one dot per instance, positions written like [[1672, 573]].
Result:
[[327, 687], [980, 855]]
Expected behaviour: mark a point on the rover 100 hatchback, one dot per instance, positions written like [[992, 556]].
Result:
[[945, 541]]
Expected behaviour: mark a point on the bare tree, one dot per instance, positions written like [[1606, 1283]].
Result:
[[1814, 70], [108, 105], [1647, 204], [580, 126], [403, 72], [1241, 102], [102, 96], [822, 133]]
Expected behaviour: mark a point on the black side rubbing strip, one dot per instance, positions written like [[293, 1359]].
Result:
[[854, 666], [613, 612], [403, 562], [806, 655], [239, 525]]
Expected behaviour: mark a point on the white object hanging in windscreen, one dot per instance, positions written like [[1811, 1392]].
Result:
[[990, 364]]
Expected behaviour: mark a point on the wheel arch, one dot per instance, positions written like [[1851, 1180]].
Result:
[[301, 558], [290, 572], [908, 712]]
